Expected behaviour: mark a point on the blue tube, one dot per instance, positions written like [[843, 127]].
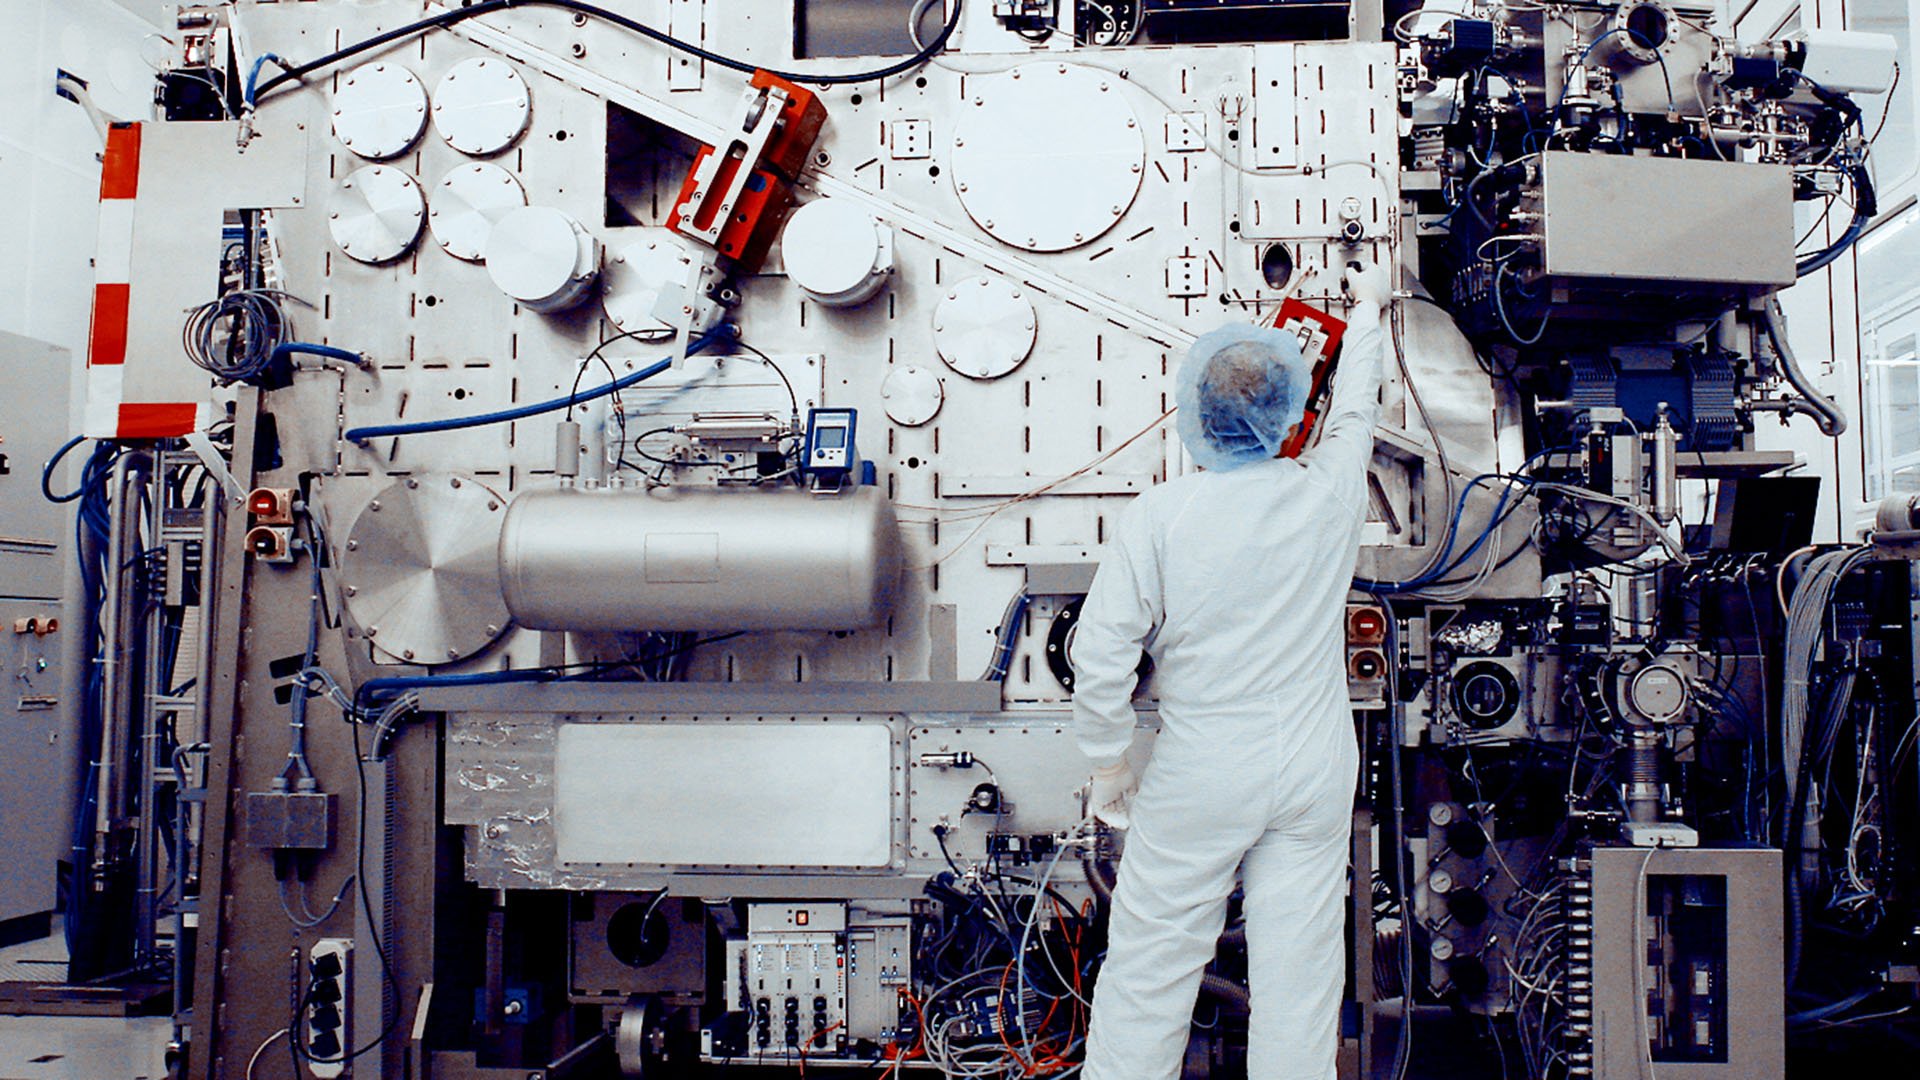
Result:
[[46, 473], [373, 689], [521, 412], [283, 351], [1822, 1012], [253, 76]]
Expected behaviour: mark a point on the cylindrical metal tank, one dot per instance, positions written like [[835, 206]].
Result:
[[627, 559]]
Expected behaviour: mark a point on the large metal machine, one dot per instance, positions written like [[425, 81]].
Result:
[[597, 446]]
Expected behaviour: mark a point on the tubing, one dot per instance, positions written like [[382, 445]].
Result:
[[284, 351], [1832, 421], [521, 412], [1226, 991]]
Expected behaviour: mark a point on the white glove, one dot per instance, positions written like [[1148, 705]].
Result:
[[1110, 797], [1371, 285]]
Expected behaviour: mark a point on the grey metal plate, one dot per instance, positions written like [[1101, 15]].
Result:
[[770, 794], [1707, 221], [33, 424]]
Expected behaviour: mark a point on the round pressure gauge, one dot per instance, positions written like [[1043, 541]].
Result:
[[376, 214], [466, 204], [481, 106], [543, 258], [379, 110]]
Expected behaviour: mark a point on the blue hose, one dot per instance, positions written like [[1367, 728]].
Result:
[[285, 350], [253, 76], [521, 412]]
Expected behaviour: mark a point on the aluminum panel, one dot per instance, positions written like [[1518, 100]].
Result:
[[755, 795], [1716, 221]]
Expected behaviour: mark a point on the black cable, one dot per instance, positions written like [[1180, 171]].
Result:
[[573, 393], [768, 360], [648, 434], [1403, 1041], [488, 7]]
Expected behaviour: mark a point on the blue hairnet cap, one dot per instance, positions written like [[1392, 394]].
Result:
[[1240, 390]]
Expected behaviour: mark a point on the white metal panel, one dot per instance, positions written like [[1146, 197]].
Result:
[[766, 794]]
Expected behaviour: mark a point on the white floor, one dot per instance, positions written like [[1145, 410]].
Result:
[[74, 1047]]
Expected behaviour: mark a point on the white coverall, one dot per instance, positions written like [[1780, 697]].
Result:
[[1235, 583]]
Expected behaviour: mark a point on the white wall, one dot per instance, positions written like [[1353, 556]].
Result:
[[49, 170]]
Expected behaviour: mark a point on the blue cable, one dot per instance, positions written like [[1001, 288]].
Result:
[[521, 412], [46, 473], [253, 76], [1446, 564], [285, 350]]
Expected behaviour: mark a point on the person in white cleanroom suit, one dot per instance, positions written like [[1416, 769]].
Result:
[[1235, 581]]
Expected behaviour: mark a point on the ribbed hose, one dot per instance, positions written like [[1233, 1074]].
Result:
[[1826, 414], [1227, 992]]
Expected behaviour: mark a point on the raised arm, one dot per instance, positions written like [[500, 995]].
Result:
[[1123, 607], [1346, 432]]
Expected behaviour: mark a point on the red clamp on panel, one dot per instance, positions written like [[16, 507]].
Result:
[[736, 196], [1319, 335], [801, 117]]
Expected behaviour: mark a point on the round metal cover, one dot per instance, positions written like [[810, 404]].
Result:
[[467, 203], [542, 257], [913, 395], [420, 572], [836, 252], [1658, 693], [377, 214], [379, 110], [481, 106], [984, 328], [1047, 156], [637, 276]]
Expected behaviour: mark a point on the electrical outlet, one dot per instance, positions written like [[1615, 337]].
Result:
[[328, 1005]]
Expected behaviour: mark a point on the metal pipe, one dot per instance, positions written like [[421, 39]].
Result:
[[1666, 481], [1832, 421], [108, 802], [1643, 776]]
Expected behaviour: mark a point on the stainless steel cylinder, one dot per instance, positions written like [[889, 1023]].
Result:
[[627, 559]]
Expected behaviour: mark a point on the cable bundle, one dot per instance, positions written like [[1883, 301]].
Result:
[[235, 336]]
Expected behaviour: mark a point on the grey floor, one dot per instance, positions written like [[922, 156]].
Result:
[[74, 1047]]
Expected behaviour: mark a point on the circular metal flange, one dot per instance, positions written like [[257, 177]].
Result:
[[913, 395], [481, 106], [467, 203], [542, 257], [379, 110], [836, 253], [636, 278], [1048, 156], [1640, 31], [984, 328], [421, 572], [1658, 693], [376, 214]]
